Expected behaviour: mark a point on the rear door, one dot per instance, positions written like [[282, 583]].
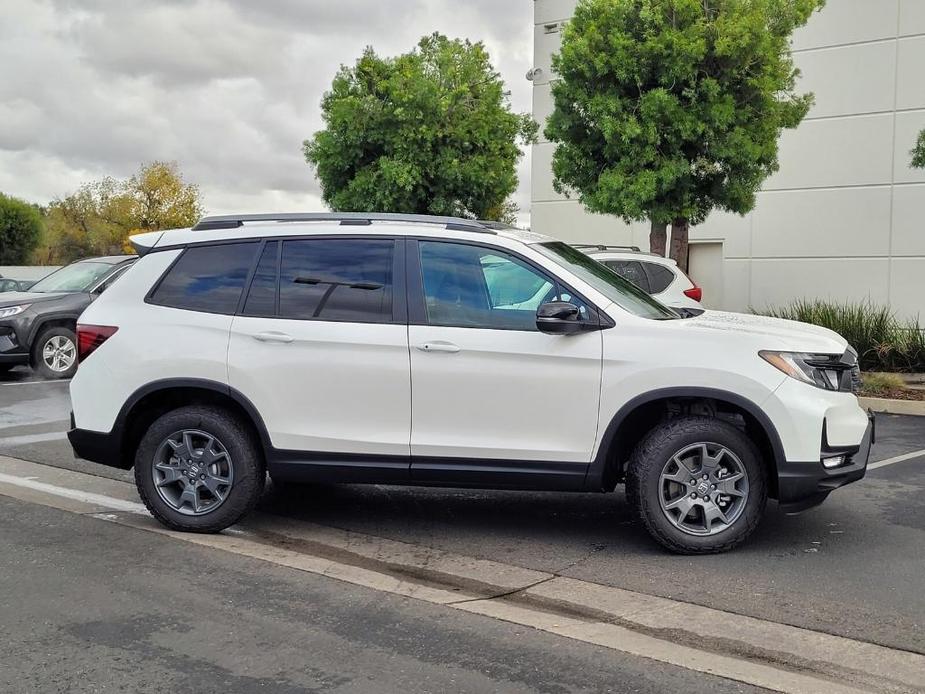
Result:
[[320, 346]]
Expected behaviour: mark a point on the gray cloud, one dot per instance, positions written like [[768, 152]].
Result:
[[227, 88]]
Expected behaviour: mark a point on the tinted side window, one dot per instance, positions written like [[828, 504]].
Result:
[[207, 278], [337, 279], [630, 270], [473, 287], [261, 297], [659, 277]]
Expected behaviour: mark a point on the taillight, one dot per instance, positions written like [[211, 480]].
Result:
[[695, 293], [89, 337]]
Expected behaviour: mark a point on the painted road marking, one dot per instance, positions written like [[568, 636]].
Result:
[[896, 459], [74, 494], [778, 656], [32, 438], [36, 383]]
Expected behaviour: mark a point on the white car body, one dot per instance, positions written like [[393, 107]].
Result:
[[431, 404], [671, 294]]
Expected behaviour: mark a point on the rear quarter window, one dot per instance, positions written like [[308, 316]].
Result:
[[630, 270], [660, 277], [207, 278]]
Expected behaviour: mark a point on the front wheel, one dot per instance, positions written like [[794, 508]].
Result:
[[199, 469], [698, 485]]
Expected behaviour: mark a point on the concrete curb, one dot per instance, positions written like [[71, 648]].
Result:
[[887, 406]]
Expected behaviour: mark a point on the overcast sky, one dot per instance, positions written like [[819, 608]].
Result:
[[229, 89]]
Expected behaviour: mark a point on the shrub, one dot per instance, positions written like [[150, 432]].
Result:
[[881, 383], [20, 226], [883, 341]]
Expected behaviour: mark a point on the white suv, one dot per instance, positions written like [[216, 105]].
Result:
[[659, 277], [436, 351]]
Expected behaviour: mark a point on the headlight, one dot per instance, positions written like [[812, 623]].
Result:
[[13, 310], [828, 371]]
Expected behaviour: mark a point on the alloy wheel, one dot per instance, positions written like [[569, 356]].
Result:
[[59, 353], [703, 489], [192, 472]]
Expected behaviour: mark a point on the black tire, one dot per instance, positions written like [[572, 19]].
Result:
[[246, 460], [655, 451], [38, 363]]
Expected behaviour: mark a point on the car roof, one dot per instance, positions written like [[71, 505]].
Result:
[[234, 227], [631, 255]]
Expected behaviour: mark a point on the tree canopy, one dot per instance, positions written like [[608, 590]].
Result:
[[429, 131], [20, 228], [667, 109], [918, 153], [98, 217]]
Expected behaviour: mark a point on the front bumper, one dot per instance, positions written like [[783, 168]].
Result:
[[804, 485], [13, 349]]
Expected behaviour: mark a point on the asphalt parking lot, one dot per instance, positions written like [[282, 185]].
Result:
[[853, 567]]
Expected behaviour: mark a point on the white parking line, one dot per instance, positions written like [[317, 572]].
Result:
[[36, 383], [896, 459], [32, 438], [75, 494]]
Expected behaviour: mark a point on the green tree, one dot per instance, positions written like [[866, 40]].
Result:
[[430, 132], [98, 217], [20, 229], [667, 109], [918, 153]]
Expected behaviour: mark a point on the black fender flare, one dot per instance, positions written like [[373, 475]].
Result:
[[596, 471], [167, 384]]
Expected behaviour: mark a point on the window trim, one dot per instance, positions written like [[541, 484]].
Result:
[[417, 304], [399, 298]]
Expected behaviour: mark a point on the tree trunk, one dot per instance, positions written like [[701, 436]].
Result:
[[679, 230], [658, 236]]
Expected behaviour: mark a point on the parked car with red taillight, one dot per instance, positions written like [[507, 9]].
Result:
[[657, 276]]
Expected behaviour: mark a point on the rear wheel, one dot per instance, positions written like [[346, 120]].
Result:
[[199, 469], [698, 485], [54, 353]]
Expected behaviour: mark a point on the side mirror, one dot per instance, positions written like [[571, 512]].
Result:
[[559, 318]]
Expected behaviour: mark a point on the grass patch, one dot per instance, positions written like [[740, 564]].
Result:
[[883, 341]]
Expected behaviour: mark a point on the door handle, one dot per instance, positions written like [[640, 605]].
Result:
[[273, 336], [438, 346]]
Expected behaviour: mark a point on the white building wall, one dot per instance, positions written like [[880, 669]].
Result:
[[843, 218]]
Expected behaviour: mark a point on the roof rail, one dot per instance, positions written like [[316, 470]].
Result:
[[230, 221], [603, 247]]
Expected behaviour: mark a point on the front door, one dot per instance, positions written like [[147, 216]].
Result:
[[489, 391], [321, 350]]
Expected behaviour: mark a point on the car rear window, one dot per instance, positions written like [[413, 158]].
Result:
[[207, 278]]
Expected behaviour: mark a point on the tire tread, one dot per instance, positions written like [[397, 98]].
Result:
[[645, 461]]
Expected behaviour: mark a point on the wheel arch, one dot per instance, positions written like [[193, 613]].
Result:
[[637, 417], [52, 320], [155, 398]]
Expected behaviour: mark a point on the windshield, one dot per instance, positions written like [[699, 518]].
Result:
[[623, 293], [77, 277]]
